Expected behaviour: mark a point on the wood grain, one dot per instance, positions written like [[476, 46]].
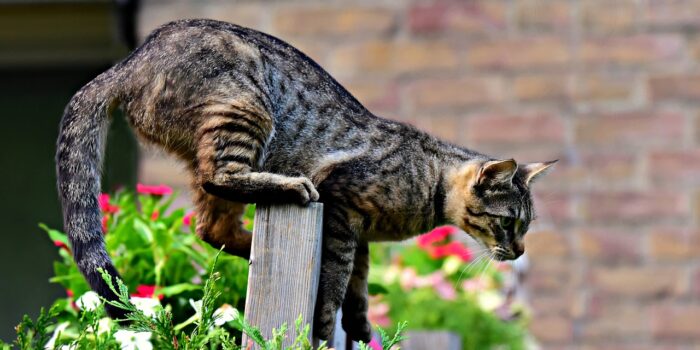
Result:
[[285, 264]]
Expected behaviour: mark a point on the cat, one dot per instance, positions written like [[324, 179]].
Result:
[[257, 121]]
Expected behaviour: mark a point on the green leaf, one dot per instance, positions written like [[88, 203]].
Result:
[[376, 289], [176, 289], [55, 235]]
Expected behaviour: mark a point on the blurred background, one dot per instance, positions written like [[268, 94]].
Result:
[[611, 88]]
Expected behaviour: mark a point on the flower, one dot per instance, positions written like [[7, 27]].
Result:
[[378, 312], [451, 249], [61, 245], [436, 235], [489, 300], [451, 265], [374, 344], [133, 340], [225, 313], [106, 207], [154, 215], [56, 332], [146, 291], [197, 306], [408, 278], [146, 305], [88, 301], [159, 190], [104, 325], [445, 290], [187, 220]]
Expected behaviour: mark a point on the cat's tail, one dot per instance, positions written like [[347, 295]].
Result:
[[80, 148]]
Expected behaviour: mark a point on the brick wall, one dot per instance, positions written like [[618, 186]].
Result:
[[608, 87]]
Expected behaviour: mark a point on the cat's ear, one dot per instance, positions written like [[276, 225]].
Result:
[[533, 171], [497, 171]]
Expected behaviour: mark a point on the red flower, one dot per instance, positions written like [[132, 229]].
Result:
[[154, 215], [453, 248], [436, 235], [187, 220], [159, 190], [103, 199], [61, 245], [69, 293], [146, 291]]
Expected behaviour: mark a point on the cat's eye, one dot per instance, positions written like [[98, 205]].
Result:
[[506, 222]]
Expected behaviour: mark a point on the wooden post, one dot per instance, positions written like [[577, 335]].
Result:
[[285, 263], [429, 340]]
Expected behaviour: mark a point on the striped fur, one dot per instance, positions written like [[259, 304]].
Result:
[[255, 120]]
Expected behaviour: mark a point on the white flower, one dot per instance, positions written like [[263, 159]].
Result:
[[148, 306], [225, 313], [104, 325], [490, 300], [197, 306], [88, 301], [452, 264], [129, 340], [59, 329]]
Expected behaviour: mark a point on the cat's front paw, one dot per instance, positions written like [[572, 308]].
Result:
[[304, 189], [357, 328]]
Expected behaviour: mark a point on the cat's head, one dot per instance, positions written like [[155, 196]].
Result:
[[491, 201]]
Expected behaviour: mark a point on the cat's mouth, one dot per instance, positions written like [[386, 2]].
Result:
[[502, 254]]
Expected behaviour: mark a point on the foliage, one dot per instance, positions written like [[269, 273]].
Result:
[[179, 293], [438, 284]]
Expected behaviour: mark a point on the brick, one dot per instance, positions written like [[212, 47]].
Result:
[[638, 282], [676, 322], [521, 129], [378, 57], [596, 87], [672, 14], [542, 14], [674, 244], [603, 16], [552, 329], [675, 168], [547, 244], [635, 208], [558, 304], [375, 95], [633, 50], [550, 275], [617, 321], [630, 129], [455, 93], [446, 127], [608, 168], [610, 246], [553, 208], [331, 22], [248, 15], [538, 87], [464, 18], [532, 53], [684, 87]]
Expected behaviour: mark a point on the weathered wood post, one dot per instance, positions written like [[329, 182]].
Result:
[[285, 262], [428, 340]]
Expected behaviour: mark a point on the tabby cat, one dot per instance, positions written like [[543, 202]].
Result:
[[257, 121]]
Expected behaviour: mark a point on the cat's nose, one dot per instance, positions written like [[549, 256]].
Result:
[[518, 248]]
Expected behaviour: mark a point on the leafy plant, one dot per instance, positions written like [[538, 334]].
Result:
[[438, 284]]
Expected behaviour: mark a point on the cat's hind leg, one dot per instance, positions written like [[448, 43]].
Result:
[[355, 304], [230, 145]]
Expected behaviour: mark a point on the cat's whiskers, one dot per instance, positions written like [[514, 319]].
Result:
[[481, 255]]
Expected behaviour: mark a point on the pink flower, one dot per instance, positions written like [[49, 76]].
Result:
[[154, 215], [445, 290], [374, 344], [146, 291], [408, 278], [159, 190], [379, 314], [453, 248], [187, 220], [103, 199], [434, 236], [474, 285]]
